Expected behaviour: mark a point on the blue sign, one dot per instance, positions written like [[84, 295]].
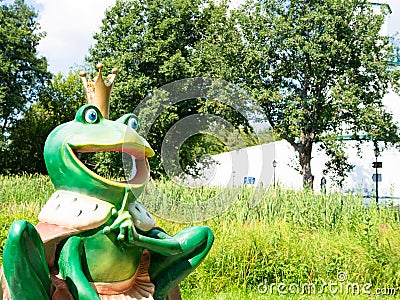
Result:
[[249, 180], [374, 177]]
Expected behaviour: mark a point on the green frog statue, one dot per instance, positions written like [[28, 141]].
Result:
[[94, 240]]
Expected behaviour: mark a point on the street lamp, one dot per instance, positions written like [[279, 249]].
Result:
[[323, 185], [376, 152], [274, 165]]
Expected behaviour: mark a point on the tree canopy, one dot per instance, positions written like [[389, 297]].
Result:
[[22, 70], [58, 102], [319, 69], [157, 42]]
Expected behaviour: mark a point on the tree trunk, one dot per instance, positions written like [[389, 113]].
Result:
[[4, 126], [304, 150]]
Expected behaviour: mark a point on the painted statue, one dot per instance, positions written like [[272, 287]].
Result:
[[94, 240]]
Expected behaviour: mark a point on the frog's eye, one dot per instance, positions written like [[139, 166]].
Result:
[[91, 115], [133, 123]]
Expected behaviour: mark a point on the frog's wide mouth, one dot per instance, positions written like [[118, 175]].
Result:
[[134, 160]]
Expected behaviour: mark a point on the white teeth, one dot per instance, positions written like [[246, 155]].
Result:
[[134, 170]]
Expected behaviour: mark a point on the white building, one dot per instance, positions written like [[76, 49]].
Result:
[[254, 165]]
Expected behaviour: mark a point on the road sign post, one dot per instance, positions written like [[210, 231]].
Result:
[[377, 164]]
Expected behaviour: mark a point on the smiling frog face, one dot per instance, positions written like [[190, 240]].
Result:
[[91, 132]]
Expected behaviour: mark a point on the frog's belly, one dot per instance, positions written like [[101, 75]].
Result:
[[107, 260]]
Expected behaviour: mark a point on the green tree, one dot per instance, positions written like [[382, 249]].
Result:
[[319, 69], [157, 42], [58, 103], [22, 71]]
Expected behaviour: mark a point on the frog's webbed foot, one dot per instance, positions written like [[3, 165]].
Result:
[[167, 271], [24, 263]]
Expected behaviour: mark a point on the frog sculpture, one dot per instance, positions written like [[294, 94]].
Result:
[[94, 240]]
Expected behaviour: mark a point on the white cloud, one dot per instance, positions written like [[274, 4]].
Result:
[[70, 25]]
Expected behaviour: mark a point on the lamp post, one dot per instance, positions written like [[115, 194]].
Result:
[[376, 151], [274, 165], [323, 185]]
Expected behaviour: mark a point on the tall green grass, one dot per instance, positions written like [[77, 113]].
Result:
[[296, 237], [21, 197], [276, 236]]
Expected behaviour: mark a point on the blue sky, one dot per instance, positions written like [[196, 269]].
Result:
[[70, 25]]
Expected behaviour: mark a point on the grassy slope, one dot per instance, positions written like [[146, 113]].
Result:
[[289, 237]]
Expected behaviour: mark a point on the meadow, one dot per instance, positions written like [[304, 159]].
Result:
[[269, 244]]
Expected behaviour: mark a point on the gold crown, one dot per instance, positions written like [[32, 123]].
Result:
[[98, 92]]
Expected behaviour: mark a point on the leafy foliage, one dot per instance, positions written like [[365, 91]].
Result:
[[58, 103], [22, 71], [319, 69], [154, 43]]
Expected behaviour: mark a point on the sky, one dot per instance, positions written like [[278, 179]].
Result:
[[70, 25]]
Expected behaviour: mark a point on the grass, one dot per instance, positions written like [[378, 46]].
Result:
[[289, 239], [21, 197]]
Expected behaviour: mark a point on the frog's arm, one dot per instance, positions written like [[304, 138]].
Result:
[[165, 247], [71, 270]]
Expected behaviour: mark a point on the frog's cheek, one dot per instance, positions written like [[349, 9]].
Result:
[[141, 217]]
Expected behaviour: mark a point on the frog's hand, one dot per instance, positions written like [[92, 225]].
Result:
[[124, 224], [24, 263], [71, 270]]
